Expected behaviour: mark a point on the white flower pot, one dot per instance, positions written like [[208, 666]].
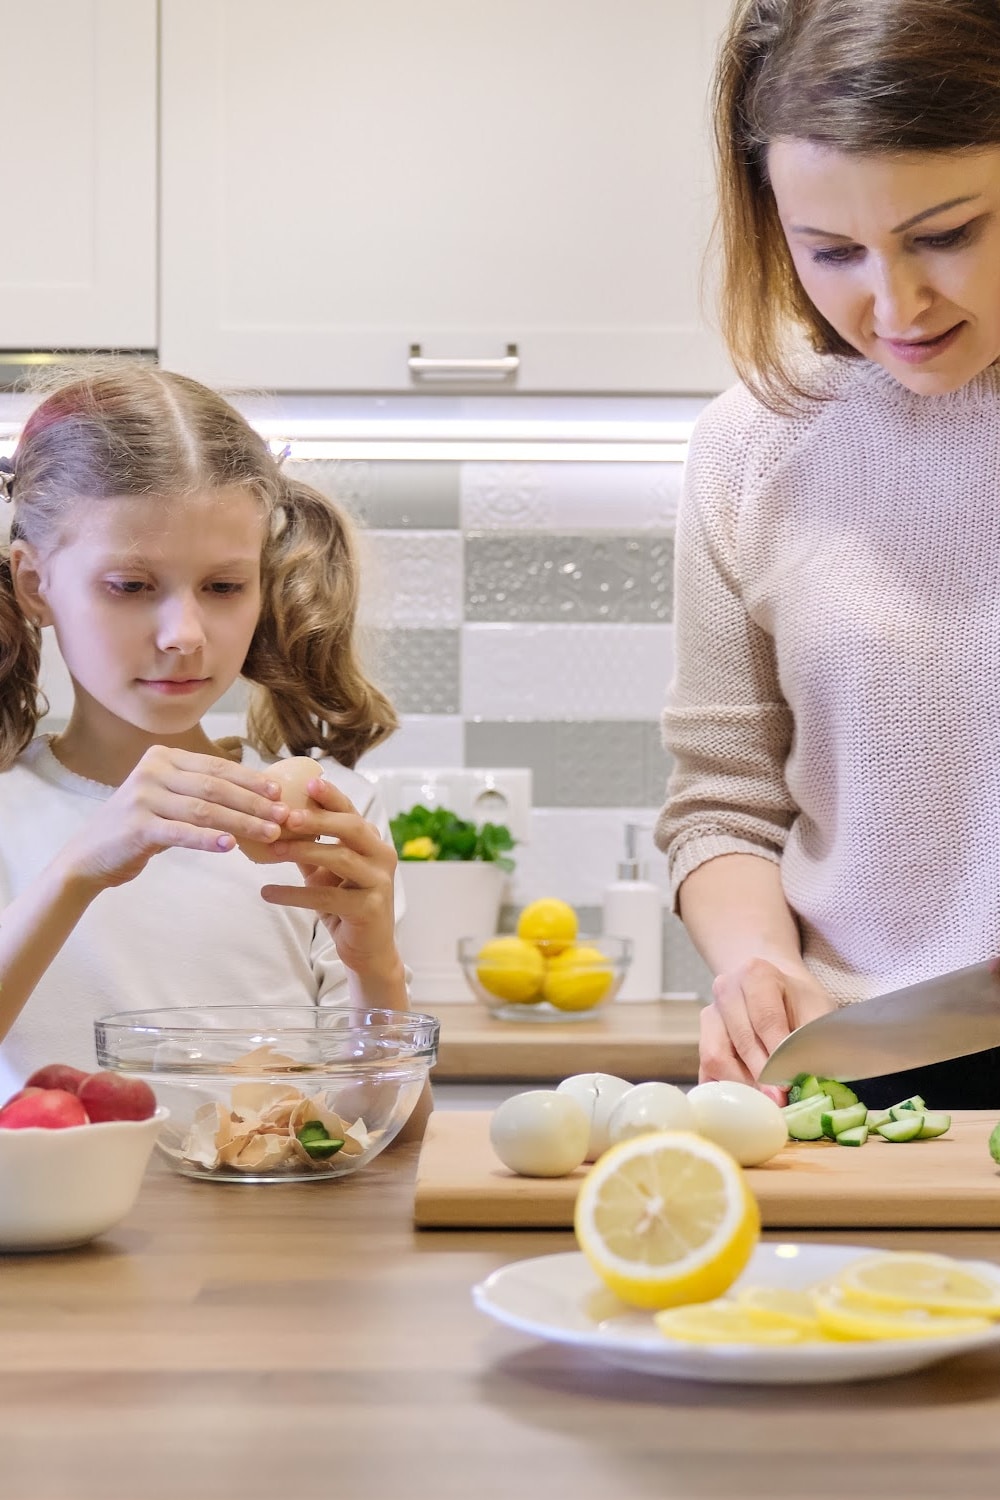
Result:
[[445, 900]]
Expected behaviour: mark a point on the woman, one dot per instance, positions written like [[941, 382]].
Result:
[[833, 819]]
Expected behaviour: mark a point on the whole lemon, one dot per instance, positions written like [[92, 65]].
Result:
[[511, 969], [549, 923], [577, 979]]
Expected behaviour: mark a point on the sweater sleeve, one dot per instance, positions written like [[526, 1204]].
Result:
[[726, 723]]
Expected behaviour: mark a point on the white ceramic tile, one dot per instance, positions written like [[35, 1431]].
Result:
[[420, 740], [411, 578], [569, 496], [565, 671], [574, 854]]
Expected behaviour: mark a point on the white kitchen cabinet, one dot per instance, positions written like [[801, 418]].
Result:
[[79, 242], [527, 181]]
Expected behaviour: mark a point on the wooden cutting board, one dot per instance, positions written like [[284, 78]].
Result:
[[949, 1183]]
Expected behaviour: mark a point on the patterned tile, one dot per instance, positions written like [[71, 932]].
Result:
[[421, 740], [411, 578], [419, 669], [605, 579], [593, 764], [388, 494], [565, 671], [570, 496]]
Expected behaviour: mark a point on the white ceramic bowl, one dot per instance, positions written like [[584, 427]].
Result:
[[60, 1188]]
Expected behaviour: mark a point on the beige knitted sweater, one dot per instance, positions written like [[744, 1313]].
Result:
[[836, 703]]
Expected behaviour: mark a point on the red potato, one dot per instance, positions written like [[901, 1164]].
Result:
[[57, 1076], [293, 775], [49, 1109], [110, 1096]]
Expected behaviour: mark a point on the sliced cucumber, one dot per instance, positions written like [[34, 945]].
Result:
[[906, 1129], [822, 1100], [904, 1110], [805, 1085], [805, 1121], [836, 1121], [914, 1102], [936, 1123], [842, 1096], [877, 1117], [854, 1137]]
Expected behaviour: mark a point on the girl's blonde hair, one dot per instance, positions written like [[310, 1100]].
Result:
[[858, 76], [129, 429]]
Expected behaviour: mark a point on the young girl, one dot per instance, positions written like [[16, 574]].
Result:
[[153, 531], [833, 822]]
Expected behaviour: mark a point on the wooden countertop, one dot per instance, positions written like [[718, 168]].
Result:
[[304, 1342], [635, 1041]]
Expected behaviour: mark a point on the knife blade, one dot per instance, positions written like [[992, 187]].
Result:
[[948, 1016]]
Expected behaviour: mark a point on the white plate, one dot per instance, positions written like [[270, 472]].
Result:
[[559, 1298]]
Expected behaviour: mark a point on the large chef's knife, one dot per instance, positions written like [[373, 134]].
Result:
[[949, 1016]]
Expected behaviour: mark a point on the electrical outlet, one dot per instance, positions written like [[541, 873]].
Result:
[[476, 793]]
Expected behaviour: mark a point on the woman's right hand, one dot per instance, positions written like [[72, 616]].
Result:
[[174, 799], [754, 1008]]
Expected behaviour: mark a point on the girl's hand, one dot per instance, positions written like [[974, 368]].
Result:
[[754, 1008], [350, 884], [174, 799]]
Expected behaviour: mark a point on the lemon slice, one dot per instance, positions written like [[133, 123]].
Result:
[[774, 1307], [931, 1283], [842, 1318], [666, 1218], [722, 1322]]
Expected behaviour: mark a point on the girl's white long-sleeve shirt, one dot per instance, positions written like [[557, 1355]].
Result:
[[190, 929], [836, 701]]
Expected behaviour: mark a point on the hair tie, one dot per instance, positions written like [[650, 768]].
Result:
[[6, 479]]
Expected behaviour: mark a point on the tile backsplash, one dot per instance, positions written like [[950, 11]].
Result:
[[519, 614]]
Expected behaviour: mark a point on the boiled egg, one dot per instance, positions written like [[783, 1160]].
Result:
[[293, 775], [740, 1119], [650, 1106], [597, 1093], [541, 1133]]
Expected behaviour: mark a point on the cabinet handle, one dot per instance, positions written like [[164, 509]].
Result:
[[456, 369]]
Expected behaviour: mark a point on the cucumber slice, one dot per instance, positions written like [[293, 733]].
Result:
[[877, 1117], [842, 1096], [838, 1120], [935, 1123], [805, 1121], [905, 1110], [855, 1137], [808, 1085], [906, 1129], [823, 1101], [914, 1102]]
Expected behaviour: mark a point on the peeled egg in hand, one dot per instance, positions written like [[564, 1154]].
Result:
[[541, 1133], [293, 775], [650, 1106], [597, 1093], [740, 1119]]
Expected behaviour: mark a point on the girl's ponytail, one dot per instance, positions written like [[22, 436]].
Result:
[[311, 688], [21, 702]]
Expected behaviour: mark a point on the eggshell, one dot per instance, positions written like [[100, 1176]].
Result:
[[740, 1119], [597, 1093], [292, 774], [541, 1133], [650, 1106]]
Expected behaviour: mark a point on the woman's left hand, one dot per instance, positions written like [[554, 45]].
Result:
[[350, 884]]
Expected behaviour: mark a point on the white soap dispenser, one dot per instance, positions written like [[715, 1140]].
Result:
[[633, 908]]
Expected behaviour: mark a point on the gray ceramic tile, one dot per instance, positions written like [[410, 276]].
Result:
[[590, 764], [419, 669], [542, 576], [388, 493]]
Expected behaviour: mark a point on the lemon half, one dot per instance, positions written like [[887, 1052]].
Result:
[[666, 1218]]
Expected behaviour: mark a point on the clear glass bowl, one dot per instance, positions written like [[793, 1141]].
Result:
[[517, 981], [261, 1093]]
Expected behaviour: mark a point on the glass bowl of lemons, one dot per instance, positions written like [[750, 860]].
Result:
[[547, 970]]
